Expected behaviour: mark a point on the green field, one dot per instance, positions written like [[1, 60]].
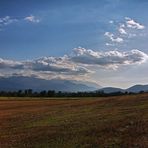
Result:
[[112, 122]]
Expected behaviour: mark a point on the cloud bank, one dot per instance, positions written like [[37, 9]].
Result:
[[76, 64], [112, 59]]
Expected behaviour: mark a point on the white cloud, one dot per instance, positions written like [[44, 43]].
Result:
[[118, 40], [58, 65], [113, 38], [7, 20], [74, 66], [133, 24], [110, 59], [111, 21], [32, 19], [122, 30], [10, 64], [108, 44]]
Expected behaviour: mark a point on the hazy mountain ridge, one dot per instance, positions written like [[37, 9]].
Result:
[[111, 89], [20, 82], [134, 89], [137, 88], [16, 83]]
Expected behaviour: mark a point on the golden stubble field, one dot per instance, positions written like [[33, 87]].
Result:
[[112, 122]]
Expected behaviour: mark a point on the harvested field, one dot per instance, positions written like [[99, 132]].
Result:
[[111, 122]]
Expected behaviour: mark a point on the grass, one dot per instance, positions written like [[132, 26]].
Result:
[[113, 122]]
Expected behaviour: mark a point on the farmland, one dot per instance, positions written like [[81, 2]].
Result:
[[110, 122]]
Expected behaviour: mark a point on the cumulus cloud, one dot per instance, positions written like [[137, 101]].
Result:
[[10, 64], [112, 37], [133, 24], [76, 65], [124, 30], [58, 65], [130, 28], [32, 19], [112, 59]]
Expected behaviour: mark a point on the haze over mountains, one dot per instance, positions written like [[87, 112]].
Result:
[[134, 89], [20, 82], [16, 83]]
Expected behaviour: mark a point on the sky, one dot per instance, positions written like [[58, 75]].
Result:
[[101, 41]]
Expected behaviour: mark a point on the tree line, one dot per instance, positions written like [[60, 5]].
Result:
[[52, 93]]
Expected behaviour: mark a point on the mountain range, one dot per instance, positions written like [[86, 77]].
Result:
[[134, 89], [15, 83], [21, 83]]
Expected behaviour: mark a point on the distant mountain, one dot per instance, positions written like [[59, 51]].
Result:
[[90, 84], [19, 82], [111, 89], [138, 88], [134, 89]]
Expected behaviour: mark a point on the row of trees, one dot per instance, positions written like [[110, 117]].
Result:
[[52, 93]]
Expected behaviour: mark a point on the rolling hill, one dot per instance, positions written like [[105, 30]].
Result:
[[137, 88], [134, 89]]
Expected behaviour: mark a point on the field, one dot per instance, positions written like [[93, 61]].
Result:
[[111, 122]]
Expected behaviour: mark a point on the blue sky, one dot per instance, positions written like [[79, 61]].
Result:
[[32, 30]]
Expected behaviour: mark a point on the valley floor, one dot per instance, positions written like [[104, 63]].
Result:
[[74, 123]]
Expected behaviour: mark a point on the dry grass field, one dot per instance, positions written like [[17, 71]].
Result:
[[112, 122]]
